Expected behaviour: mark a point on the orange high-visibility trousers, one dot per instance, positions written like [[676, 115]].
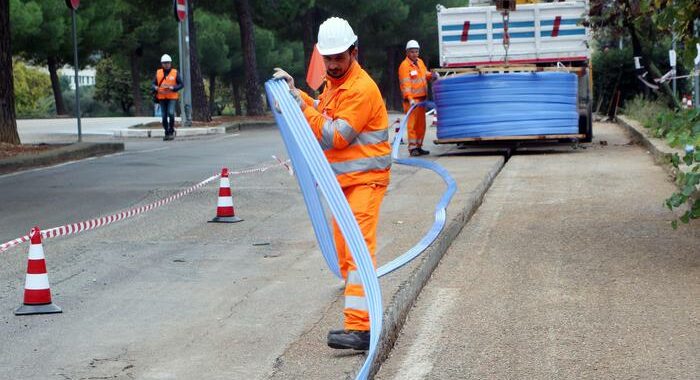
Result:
[[416, 125], [365, 201]]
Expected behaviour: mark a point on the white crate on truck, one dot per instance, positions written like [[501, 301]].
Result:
[[539, 33]]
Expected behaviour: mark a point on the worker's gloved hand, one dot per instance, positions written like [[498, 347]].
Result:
[[281, 74], [411, 102], [435, 75], [296, 94]]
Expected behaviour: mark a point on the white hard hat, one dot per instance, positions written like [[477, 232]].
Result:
[[335, 36], [412, 44], [165, 58]]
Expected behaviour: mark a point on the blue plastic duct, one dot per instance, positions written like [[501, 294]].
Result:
[[513, 104]]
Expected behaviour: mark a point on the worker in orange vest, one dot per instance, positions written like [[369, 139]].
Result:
[[350, 121], [413, 79], [165, 86]]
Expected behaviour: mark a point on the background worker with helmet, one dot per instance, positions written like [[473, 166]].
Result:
[[350, 121], [413, 79], [165, 86]]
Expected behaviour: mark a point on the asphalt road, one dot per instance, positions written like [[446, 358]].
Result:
[[90, 188], [568, 270], [164, 295]]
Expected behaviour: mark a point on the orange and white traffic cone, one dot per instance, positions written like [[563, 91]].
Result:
[[37, 293], [224, 208]]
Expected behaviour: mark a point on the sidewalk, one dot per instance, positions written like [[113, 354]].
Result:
[[66, 130], [105, 126], [569, 269]]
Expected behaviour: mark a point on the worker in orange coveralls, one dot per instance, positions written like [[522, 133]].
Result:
[[413, 80], [350, 121]]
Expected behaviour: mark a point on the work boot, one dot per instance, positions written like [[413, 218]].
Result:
[[414, 152], [349, 339], [423, 152]]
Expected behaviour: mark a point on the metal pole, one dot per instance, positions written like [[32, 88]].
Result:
[[696, 78], [187, 73], [182, 60], [75, 67], [674, 66]]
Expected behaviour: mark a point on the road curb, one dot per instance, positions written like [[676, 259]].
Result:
[[657, 147], [66, 153], [224, 128], [402, 300]]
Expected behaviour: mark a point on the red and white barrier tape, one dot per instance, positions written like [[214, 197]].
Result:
[[91, 224]]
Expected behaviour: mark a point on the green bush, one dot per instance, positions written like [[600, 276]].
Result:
[[613, 70], [31, 86], [681, 129], [89, 105]]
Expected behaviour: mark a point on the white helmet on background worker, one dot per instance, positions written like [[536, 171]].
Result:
[[165, 58], [335, 36], [412, 44]]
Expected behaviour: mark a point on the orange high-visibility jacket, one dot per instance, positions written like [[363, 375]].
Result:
[[350, 121], [413, 79], [169, 81]]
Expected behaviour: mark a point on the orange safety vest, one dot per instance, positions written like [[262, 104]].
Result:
[[351, 123], [169, 81], [413, 79]]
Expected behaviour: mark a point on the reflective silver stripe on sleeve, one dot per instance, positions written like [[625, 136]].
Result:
[[353, 278], [363, 164], [404, 80], [316, 102], [356, 303], [329, 129], [370, 138]]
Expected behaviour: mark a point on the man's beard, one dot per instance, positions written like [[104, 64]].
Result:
[[330, 74]]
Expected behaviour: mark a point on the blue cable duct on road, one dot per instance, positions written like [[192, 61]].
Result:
[[440, 208], [315, 176], [513, 104]]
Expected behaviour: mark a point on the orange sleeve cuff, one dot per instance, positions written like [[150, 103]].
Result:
[[307, 99], [315, 119]]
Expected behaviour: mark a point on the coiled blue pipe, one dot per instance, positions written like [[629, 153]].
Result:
[[313, 169], [440, 208], [513, 104]]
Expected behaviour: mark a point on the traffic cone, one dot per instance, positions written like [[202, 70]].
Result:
[[37, 292], [224, 208]]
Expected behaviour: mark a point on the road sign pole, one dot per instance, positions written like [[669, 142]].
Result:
[[75, 67], [180, 37], [186, 67]]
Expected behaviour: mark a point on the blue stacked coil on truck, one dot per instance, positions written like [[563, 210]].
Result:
[[512, 104]]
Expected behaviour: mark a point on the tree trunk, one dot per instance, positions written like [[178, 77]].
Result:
[[212, 93], [308, 38], [200, 107], [56, 86], [647, 64], [8, 122], [254, 104], [237, 99], [390, 81], [136, 84]]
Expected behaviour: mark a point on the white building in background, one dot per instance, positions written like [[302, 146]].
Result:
[[86, 76]]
